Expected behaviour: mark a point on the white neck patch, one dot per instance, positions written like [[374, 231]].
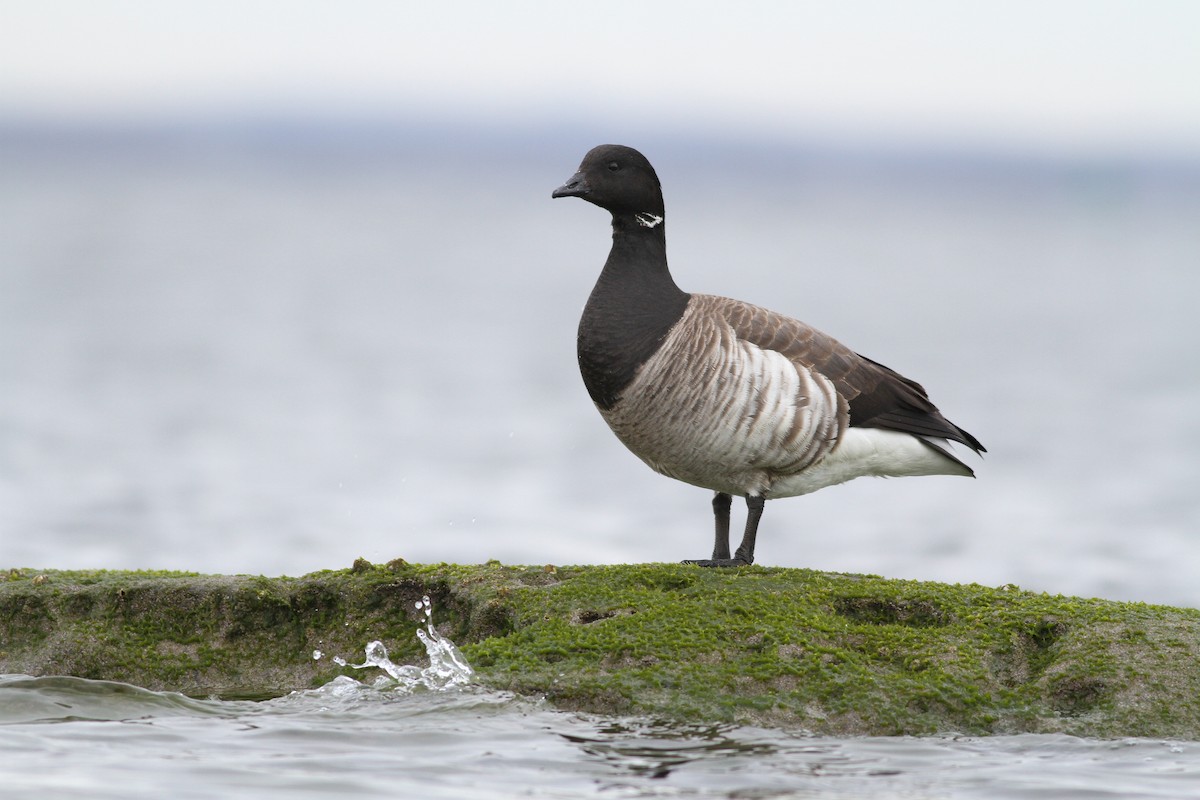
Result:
[[648, 220]]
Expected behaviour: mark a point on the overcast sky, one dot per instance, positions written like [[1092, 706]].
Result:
[[1076, 75]]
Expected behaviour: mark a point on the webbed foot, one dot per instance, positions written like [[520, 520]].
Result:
[[718, 562]]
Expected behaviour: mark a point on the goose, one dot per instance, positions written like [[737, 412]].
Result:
[[726, 395]]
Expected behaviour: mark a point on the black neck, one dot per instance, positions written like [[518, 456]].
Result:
[[633, 305]]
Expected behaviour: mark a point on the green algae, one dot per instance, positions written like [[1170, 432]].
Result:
[[849, 654]]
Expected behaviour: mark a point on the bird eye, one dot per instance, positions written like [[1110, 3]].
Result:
[[613, 166]]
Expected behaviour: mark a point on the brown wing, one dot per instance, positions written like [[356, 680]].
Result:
[[878, 397]]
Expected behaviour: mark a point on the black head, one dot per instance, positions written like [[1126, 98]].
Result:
[[619, 179]]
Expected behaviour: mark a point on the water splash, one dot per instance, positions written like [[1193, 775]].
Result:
[[447, 668]]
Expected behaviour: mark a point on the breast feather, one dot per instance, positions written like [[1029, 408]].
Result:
[[715, 409]]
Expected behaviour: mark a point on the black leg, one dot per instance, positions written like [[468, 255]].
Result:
[[721, 505], [745, 552], [754, 512]]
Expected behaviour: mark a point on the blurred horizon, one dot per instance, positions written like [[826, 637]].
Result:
[[426, 136]]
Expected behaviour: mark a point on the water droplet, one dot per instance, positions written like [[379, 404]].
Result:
[[376, 653]]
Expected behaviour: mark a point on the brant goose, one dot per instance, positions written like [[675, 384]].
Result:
[[729, 396]]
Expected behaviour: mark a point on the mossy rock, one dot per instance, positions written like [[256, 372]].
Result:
[[831, 653]]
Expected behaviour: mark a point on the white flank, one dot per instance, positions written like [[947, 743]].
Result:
[[648, 220], [863, 452]]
